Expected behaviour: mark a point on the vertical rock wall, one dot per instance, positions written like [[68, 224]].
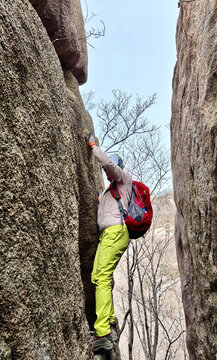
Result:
[[194, 165], [89, 184], [48, 192]]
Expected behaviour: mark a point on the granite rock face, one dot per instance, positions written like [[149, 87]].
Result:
[[48, 183], [194, 166], [64, 23], [90, 182]]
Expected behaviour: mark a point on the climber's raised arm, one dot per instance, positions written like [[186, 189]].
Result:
[[112, 165]]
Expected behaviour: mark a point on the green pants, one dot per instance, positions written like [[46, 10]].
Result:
[[112, 243]]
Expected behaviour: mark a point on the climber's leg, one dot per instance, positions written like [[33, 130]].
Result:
[[113, 241]]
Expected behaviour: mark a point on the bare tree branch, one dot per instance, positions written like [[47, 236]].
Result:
[[94, 32], [88, 99], [119, 122]]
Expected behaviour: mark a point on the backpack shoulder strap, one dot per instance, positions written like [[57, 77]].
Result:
[[115, 193]]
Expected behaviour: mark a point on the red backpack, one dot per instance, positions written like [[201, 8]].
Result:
[[139, 214]]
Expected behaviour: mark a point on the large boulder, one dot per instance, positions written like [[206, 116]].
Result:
[[194, 166], [44, 154], [64, 23]]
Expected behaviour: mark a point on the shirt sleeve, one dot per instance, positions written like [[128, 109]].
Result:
[[112, 170]]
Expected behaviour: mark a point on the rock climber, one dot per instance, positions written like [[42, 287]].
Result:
[[113, 241]]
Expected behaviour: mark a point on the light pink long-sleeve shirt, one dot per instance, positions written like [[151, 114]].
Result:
[[108, 210]]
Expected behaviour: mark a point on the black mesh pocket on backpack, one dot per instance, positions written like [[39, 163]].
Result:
[[135, 212]]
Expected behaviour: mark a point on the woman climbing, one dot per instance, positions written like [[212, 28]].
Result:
[[113, 241]]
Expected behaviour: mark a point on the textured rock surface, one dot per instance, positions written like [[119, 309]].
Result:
[[194, 163], [43, 148], [89, 183], [64, 23], [5, 351]]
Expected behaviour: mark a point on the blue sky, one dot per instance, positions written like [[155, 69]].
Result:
[[137, 54]]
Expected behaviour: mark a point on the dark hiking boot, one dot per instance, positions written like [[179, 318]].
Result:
[[102, 342], [114, 331]]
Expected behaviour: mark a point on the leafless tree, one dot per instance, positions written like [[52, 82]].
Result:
[[119, 121], [159, 332], [131, 267], [124, 128], [88, 99], [147, 160]]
